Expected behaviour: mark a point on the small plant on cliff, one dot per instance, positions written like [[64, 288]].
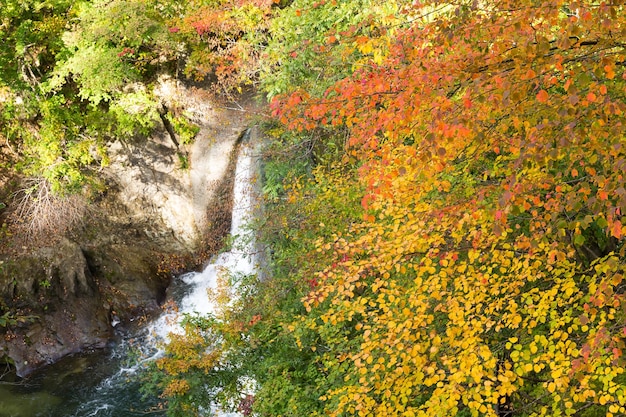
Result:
[[9, 318], [185, 129], [183, 160]]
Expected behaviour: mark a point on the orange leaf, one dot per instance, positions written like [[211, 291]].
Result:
[[530, 74], [616, 229], [610, 72], [542, 96], [567, 85]]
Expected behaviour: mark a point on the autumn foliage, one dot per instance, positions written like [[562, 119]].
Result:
[[481, 269], [221, 37], [487, 276]]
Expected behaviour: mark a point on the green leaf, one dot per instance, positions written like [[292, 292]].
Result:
[[579, 240]]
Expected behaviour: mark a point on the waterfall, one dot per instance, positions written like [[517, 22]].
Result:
[[241, 258]]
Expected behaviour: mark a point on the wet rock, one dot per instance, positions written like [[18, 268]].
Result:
[[128, 280]]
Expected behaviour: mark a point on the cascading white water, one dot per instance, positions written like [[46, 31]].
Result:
[[241, 259]]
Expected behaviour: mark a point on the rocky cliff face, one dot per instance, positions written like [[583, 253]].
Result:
[[156, 216], [57, 306]]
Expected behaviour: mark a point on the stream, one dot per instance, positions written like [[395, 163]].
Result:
[[103, 383]]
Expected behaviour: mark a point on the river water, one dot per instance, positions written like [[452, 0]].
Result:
[[104, 383]]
